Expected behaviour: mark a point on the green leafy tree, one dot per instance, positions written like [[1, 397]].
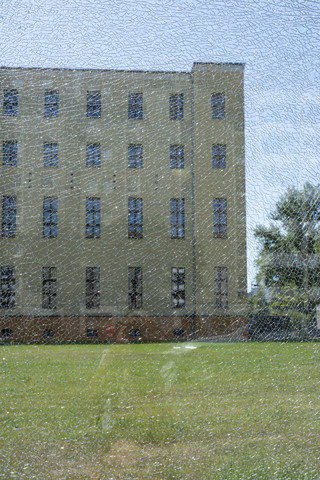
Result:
[[289, 258]]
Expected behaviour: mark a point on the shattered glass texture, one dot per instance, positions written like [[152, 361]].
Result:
[[183, 410]]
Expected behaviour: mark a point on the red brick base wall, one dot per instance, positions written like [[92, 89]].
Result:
[[119, 329]]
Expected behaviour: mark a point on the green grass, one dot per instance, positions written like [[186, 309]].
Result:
[[160, 411]]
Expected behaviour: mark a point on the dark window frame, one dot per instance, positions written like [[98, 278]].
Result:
[[219, 155], [218, 106], [135, 217], [178, 287], [135, 287], [51, 103], [220, 218], [93, 217], [94, 104], [135, 106], [8, 286], [221, 293], [49, 288], [135, 155], [9, 216], [93, 155], [50, 217], [11, 103], [176, 156], [92, 287], [177, 218], [176, 106]]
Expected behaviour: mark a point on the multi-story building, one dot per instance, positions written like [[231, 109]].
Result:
[[123, 204]]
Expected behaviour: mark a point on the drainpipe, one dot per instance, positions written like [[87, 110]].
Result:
[[194, 301]]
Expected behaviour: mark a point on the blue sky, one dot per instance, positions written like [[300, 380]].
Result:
[[278, 40]]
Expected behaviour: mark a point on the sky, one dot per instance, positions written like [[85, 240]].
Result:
[[278, 40]]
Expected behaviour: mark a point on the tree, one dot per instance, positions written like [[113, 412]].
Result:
[[289, 258]]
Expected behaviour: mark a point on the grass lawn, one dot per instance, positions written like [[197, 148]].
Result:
[[160, 411]]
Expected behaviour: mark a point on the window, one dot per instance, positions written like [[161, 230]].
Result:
[[50, 217], [51, 104], [218, 106], [221, 287], [9, 216], [48, 333], [176, 106], [6, 333], [176, 156], [49, 287], [10, 153], [92, 333], [93, 155], [92, 287], [94, 104], [10, 103], [50, 154], [135, 218], [135, 287], [220, 218], [135, 105], [93, 218], [135, 332], [178, 287], [178, 333], [218, 156], [8, 287], [135, 156], [177, 217]]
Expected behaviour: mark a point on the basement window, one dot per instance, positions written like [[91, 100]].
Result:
[[48, 333], [92, 333], [135, 332], [6, 333], [178, 333]]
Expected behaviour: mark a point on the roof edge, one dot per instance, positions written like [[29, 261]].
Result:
[[196, 65]]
